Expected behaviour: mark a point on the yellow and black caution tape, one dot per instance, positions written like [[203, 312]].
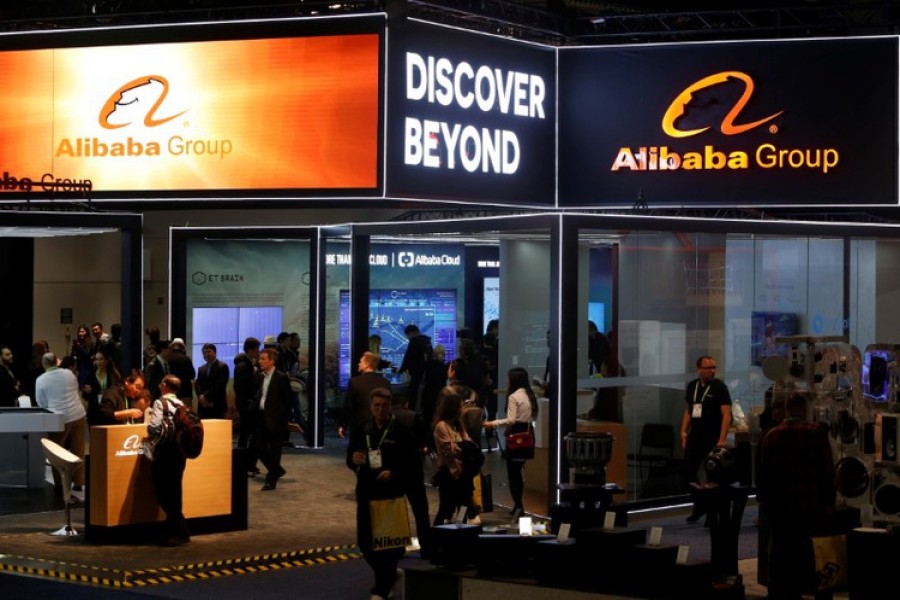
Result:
[[103, 577]]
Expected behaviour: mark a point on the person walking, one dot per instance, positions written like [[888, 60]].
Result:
[[273, 405], [521, 410], [382, 453]]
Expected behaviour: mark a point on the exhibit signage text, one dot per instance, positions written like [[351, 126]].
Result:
[[47, 183], [710, 158], [403, 259], [468, 88]]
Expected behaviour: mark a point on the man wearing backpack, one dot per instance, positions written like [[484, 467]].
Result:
[[168, 468]]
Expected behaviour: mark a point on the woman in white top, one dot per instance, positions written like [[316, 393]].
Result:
[[521, 410]]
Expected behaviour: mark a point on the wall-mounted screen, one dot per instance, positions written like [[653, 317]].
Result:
[[491, 300], [765, 327], [228, 327], [433, 311], [597, 314], [875, 375]]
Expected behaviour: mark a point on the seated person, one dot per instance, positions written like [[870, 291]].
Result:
[[121, 404]]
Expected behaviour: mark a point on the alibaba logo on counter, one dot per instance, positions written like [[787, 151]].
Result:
[[679, 106], [137, 100]]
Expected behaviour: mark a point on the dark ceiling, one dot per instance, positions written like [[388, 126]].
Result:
[[558, 22]]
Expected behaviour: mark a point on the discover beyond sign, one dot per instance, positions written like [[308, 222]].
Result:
[[470, 117], [749, 123]]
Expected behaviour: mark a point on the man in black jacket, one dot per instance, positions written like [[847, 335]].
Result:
[[245, 390], [211, 386], [418, 352], [381, 451], [181, 366], [356, 399]]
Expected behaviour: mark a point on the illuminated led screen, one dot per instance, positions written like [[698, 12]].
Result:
[[298, 113], [805, 122]]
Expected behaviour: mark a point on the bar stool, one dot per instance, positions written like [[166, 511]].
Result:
[[66, 464]]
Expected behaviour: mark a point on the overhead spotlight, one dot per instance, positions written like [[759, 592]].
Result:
[[598, 20]]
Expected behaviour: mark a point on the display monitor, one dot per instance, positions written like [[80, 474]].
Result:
[[764, 328], [228, 326], [491, 301], [875, 375], [433, 311], [597, 314]]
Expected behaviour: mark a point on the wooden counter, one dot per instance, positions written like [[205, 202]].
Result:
[[121, 488]]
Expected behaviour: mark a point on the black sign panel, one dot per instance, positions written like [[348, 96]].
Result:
[[733, 124], [470, 117]]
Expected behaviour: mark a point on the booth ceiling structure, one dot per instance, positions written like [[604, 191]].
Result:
[[558, 22]]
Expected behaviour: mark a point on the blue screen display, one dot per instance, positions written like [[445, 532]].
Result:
[[390, 311]]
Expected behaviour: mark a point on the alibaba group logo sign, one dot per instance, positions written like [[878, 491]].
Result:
[[137, 100], [728, 127]]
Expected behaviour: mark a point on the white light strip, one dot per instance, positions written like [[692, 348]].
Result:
[[316, 353], [51, 231], [561, 477]]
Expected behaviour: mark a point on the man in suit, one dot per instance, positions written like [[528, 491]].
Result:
[[273, 405], [245, 392], [356, 401], [212, 381], [182, 367]]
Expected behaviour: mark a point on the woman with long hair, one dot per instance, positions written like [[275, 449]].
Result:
[[84, 361], [521, 410], [104, 376], [453, 489]]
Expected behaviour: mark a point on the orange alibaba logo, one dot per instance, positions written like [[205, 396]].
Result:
[[127, 104], [729, 127]]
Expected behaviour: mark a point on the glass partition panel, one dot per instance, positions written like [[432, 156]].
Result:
[[242, 284], [671, 297], [336, 363]]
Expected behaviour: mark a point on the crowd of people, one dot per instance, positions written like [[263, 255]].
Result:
[[795, 475], [392, 432], [445, 407], [439, 416]]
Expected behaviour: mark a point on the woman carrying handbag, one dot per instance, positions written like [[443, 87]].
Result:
[[521, 410]]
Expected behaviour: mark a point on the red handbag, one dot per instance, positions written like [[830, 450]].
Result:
[[520, 445]]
